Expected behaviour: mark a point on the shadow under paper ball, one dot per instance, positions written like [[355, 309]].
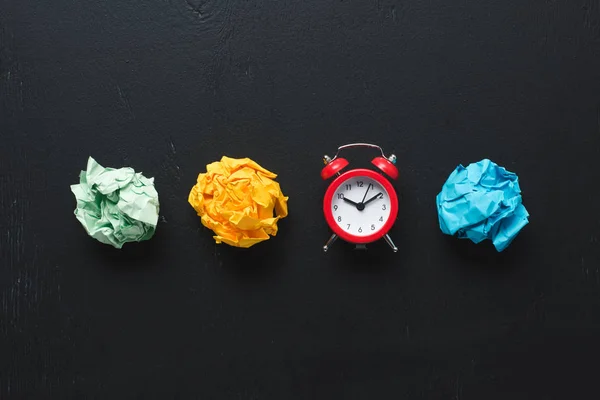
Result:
[[144, 255], [483, 255], [254, 264]]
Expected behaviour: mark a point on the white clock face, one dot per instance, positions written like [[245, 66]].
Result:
[[360, 206]]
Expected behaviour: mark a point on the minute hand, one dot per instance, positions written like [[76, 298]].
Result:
[[372, 198]]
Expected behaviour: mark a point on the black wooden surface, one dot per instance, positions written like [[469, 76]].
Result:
[[168, 86]]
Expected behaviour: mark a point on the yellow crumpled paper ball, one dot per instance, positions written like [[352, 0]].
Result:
[[236, 199]]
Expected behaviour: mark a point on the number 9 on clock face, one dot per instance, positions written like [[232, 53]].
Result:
[[360, 206]]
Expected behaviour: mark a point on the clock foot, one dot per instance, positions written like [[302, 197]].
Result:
[[330, 242], [388, 240]]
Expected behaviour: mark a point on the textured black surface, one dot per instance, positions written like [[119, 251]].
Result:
[[167, 86]]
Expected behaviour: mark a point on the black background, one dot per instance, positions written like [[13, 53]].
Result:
[[168, 86]]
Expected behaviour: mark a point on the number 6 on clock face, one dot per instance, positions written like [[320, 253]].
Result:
[[360, 206]]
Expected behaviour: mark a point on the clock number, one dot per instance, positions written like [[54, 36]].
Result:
[[359, 183], [381, 219], [348, 226], [372, 227], [383, 207], [381, 195], [340, 195], [335, 207], [348, 187], [360, 230], [340, 218]]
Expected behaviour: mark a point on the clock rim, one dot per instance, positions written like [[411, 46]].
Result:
[[329, 198]]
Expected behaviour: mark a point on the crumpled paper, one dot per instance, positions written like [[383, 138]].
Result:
[[236, 199], [116, 206], [482, 201]]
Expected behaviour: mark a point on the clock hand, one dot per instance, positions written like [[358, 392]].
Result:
[[350, 201], [372, 198], [365, 196]]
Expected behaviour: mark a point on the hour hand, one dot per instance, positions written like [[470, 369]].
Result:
[[351, 202]]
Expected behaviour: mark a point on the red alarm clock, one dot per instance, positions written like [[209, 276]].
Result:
[[360, 205]]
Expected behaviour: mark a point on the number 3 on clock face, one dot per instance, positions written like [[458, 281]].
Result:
[[360, 206]]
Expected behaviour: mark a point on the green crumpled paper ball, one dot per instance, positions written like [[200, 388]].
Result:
[[116, 206]]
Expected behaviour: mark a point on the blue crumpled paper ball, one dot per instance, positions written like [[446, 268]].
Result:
[[482, 201]]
